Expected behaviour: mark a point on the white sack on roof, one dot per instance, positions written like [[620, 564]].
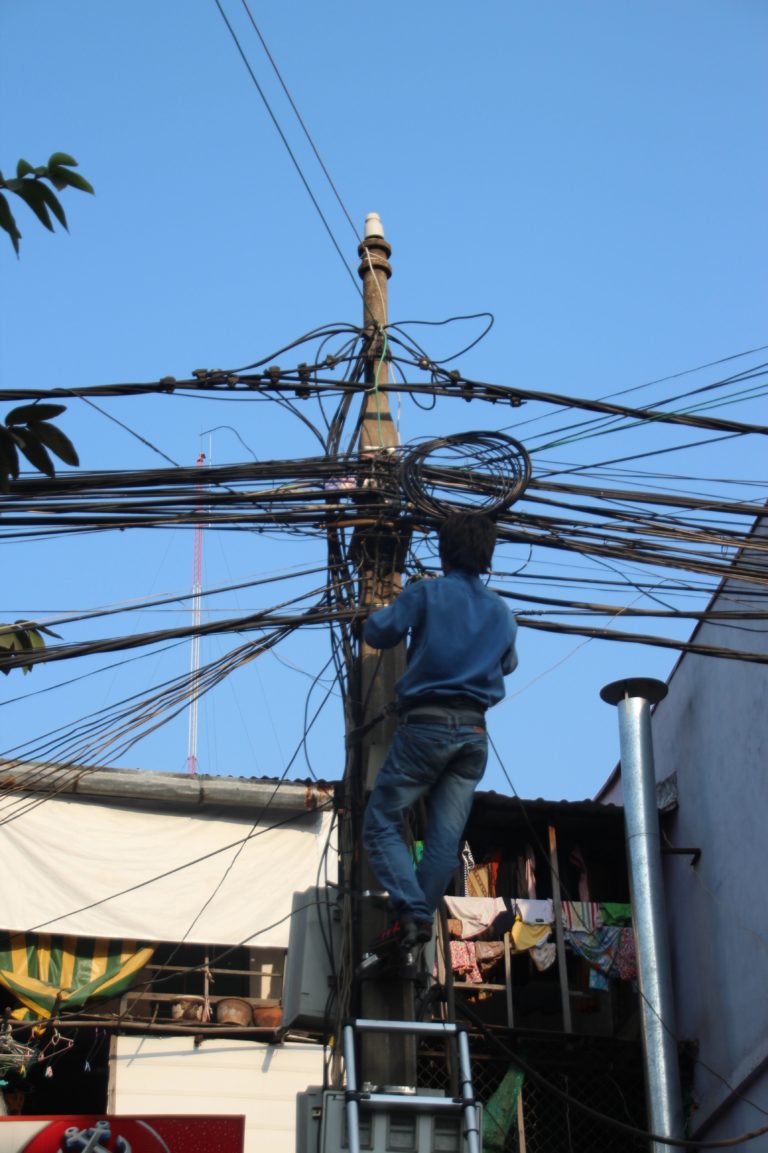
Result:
[[101, 870]]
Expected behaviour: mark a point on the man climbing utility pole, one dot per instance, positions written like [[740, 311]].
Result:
[[386, 1059]]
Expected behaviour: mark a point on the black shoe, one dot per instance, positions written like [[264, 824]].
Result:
[[404, 934], [415, 933], [391, 966]]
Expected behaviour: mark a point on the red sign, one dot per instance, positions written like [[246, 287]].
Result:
[[100, 1134]]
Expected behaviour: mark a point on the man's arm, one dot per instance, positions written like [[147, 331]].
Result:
[[387, 627], [509, 660]]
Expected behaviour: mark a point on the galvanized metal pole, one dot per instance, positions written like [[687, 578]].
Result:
[[634, 697]]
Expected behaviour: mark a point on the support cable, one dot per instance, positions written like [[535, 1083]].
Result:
[[288, 148]]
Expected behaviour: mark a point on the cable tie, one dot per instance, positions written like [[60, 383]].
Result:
[[355, 1095]]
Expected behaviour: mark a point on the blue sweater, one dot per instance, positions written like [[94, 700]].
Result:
[[462, 638]]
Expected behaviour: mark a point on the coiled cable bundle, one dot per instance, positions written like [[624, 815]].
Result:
[[475, 472]]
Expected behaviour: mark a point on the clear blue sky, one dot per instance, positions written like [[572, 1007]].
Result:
[[594, 174]]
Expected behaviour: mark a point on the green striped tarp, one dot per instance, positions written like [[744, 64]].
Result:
[[39, 967]]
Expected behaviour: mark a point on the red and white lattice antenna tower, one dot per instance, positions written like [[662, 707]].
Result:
[[197, 589]]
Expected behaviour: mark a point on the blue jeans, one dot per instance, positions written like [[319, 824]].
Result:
[[446, 761]]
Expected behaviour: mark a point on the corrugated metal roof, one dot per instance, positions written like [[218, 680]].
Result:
[[494, 811], [587, 806], [490, 808]]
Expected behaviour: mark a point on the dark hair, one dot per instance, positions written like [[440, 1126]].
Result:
[[467, 541]]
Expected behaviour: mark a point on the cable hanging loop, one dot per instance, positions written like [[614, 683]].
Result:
[[469, 472]]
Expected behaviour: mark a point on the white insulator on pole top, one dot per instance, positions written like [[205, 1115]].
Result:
[[373, 225]]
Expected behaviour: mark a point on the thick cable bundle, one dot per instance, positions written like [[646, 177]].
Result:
[[480, 472]]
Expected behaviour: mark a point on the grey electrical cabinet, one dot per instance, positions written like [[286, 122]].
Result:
[[313, 946], [321, 1126]]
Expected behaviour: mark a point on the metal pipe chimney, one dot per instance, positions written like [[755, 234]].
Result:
[[634, 698]]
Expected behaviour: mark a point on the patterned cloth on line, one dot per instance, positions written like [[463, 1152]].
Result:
[[464, 960], [610, 950], [581, 916]]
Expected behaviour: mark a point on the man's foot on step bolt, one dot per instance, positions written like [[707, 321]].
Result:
[[405, 934]]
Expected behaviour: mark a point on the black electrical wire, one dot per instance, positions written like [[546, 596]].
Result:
[[689, 371], [70, 744], [590, 607], [324, 333], [156, 602], [85, 676], [288, 148], [254, 827], [606, 634], [442, 384], [488, 316], [236, 844], [589, 539], [257, 620], [233, 430], [131, 431], [599, 423], [650, 415], [141, 705], [298, 115], [612, 1122], [255, 831]]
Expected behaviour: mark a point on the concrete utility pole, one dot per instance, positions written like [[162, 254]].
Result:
[[387, 1060], [378, 551]]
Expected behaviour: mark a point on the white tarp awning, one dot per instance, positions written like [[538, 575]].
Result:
[[104, 870]]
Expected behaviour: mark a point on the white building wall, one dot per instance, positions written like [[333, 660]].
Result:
[[712, 732], [170, 1075]]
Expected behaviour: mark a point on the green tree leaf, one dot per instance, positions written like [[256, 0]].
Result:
[[34, 627], [48, 632], [30, 192], [56, 441], [23, 636], [9, 459], [29, 413], [21, 640], [34, 452], [29, 186], [61, 158], [53, 203], [8, 222], [61, 177]]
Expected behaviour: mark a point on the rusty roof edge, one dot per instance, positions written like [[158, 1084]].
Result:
[[175, 789]]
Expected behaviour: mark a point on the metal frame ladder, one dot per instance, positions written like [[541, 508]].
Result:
[[464, 1103]]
